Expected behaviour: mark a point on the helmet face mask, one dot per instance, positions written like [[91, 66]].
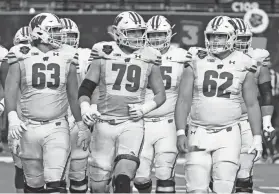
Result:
[[243, 42], [159, 32], [133, 38], [72, 32], [47, 28], [244, 35], [129, 30], [217, 43], [224, 30]]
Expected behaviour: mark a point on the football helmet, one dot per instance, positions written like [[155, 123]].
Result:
[[72, 32], [126, 23], [244, 35], [47, 28], [159, 24], [220, 25], [22, 35]]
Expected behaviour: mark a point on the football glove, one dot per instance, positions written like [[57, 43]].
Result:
[[268, 130], [256, 147], [89, 113], [16, 126], [84, 135]]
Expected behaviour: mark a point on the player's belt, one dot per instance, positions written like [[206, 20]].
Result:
[[170, 120], [228, 129], [35, 122]]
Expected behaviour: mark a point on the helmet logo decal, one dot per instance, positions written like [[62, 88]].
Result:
[[37, 21]]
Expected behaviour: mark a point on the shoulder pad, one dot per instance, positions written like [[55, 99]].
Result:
[[3, 53], [178, 55], [18, 53], [70, 53], [101, 49], [249, 63]]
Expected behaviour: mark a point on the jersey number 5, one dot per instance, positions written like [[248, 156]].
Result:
[[39, 78], [210, 86], [133, 76]]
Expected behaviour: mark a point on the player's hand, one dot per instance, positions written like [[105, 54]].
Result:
[[268, 130], [2, 108], [90, 114], [84, 135], [16, 126], [135, 112], [13, 145], [182, 143], [71, 121], [256, 147]]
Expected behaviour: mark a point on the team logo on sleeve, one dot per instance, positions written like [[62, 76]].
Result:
[[107, 49], [24, 49], [202, 54]]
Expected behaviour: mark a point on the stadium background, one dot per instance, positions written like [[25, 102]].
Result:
[[94, 19]]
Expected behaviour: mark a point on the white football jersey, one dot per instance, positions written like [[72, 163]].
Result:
[[173, 62]]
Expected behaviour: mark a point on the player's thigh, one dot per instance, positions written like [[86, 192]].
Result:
[[198, 170], [198, 161], [129, 146], [31, 142], [228, 145], [165, 150], [102, 151], [147, 154], [226, 159], [56, 150]]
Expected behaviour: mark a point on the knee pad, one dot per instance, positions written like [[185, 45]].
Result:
[[144, 186], [244, 185], [19, 178], [164, 166], [165, 186], [28, 189], [246, 165], [78, 169], [76, 184], [56, 187], [121, 184], [223, 176], [127, 157]]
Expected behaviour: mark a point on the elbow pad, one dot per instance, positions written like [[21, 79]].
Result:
[[266, 94], [86, 88]]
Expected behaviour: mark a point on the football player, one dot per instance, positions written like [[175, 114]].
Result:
[[160, 132], [21, 38], [45, 74], [122, 69], [211, 88], [3, 53], [79, 157], [244, 182]]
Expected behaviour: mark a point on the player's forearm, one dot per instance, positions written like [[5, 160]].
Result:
[[267, 110], [10, 97], [254, 117], [160, 98], [182, 109], [75, 108]]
